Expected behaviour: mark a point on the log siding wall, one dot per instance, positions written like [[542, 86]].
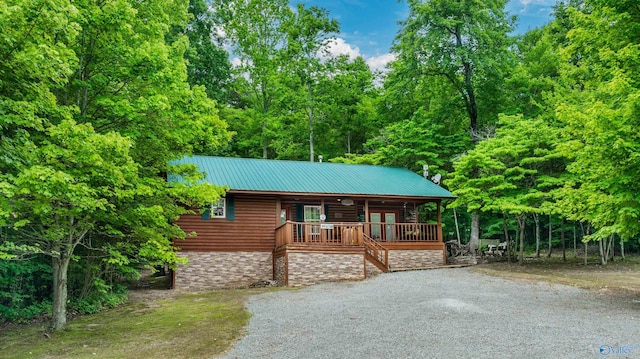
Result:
[[253, 228]]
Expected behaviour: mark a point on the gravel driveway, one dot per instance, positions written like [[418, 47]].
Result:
[[444, 313]]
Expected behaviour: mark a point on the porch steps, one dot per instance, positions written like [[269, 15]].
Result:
[[375, 253], [376, 262]]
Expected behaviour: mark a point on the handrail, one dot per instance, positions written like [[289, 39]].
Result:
[[377, 252], [351, 233], [315, 233], [403, 232]]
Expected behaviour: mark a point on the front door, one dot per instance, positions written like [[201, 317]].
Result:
[[389, 227], [383, 225]]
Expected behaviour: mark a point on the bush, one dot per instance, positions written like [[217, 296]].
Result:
[[25, 289]]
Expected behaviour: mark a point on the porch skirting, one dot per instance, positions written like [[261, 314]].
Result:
[[207, 270], [415, 259], [298, 267]]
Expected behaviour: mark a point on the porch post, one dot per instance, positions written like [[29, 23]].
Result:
[[439, 222], [322, 234], [366, 217]]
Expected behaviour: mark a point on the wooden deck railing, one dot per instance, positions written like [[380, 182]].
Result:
[[377, 252], [338, 234], [402, 232], [350, 234]]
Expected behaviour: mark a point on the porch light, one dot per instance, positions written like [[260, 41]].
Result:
[[347, 202]]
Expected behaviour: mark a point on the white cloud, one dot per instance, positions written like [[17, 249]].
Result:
[[235, 62], [340, 47], [378, 63], [537, 2]]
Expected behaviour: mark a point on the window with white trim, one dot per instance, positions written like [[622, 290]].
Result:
[[219, 208]]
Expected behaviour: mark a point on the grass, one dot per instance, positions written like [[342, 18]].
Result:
[[203, 325], [619, 277], [178, 326]]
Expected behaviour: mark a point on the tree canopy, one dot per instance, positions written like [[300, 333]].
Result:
[[98, 98]]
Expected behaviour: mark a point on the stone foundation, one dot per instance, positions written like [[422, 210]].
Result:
[[305, 268], [415, 259], [207, 270], [280, 270]]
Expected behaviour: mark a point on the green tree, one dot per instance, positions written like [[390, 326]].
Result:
[[599, 108], [208, 63], [464, 42], [309, 32], [89, 129], [256, 30], [348, 98]]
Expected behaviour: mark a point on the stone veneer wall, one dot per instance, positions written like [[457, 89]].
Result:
[[280, 270], [310, 268], [223, 269], [415, 259]]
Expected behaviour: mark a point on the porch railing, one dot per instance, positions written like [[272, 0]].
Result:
[[377, 253], [350, 234], [339, 234], [402, 232]]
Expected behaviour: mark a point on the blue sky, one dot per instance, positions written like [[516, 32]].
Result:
[[369, 27]]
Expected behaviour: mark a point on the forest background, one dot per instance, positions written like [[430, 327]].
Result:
[[535, 133]]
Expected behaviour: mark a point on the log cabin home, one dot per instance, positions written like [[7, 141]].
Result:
[[301, 223]]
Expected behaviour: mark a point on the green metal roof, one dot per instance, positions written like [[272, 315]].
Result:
[[244, 174]]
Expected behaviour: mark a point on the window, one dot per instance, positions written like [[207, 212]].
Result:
[[312, 214], [219, 208]]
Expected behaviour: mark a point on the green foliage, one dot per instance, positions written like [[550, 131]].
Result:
[[25, 288], [94, 104], [208, 63], [464, 43], [410, 144], [104, 297], [510, 173], [600, 110]]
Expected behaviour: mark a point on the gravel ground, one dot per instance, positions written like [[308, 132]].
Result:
[[444, 313]]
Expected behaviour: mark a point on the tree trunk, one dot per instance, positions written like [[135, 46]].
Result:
[[550, 233], [522, 221], [60, 266], [506, 236], [586, 251], [468, 94], [564, 251], [311, 152], [265, 112], [474, 238], [575, 244], [586, 244], [455, 218], [536, 218], [621, 248], [603, 256]]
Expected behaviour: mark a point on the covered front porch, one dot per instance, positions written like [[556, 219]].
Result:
[[329, 234]]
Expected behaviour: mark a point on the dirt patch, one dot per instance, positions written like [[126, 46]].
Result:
[[619, 278]]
